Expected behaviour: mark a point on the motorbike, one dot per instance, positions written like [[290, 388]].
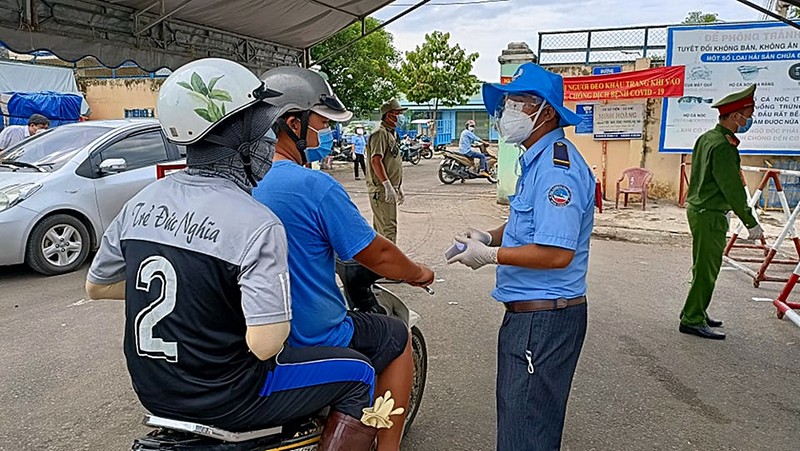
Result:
[[411, 151], [426, 151], [343, 153], [303, 434], [456, 166]]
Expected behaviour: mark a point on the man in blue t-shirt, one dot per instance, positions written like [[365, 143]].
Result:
[[359, 145], [322, 222], [467, 140]]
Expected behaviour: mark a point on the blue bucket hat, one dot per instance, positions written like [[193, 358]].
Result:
[[532, 78]]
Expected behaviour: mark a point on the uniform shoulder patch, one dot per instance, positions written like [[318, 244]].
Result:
[[560, 155], [733, 140], [559, 195]]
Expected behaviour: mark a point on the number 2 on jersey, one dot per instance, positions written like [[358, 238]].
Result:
[[156, 268]]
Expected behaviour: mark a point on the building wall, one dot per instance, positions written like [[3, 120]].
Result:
[[108, 98]]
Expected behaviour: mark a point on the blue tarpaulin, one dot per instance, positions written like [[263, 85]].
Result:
[[59, 107]]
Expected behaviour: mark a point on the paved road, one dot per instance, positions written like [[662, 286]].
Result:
[[639, 385]]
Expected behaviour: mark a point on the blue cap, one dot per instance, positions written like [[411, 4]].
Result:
[[532, 78]]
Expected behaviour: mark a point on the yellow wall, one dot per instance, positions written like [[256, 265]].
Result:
[[108, 98]]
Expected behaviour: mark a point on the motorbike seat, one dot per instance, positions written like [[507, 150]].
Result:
[[210, 431], [463, 159]]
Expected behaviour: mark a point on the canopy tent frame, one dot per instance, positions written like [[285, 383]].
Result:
[[155, 36]]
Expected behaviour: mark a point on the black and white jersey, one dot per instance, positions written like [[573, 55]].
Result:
[[202, 261]]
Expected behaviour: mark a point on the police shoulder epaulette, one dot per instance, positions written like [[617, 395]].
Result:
[[560, 154]]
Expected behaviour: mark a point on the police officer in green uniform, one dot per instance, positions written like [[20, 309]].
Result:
[[715, 188], [385, 171]]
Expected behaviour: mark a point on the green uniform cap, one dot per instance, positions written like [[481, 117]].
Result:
[[736, 101]]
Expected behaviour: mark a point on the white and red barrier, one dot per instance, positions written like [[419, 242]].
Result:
[[786, 308], [766, 254]]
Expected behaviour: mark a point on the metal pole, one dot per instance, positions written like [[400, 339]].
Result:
[[646, 38], [588, 46], [364, 35], [772, 14]]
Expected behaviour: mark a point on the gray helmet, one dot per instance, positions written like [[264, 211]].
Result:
[[304, 90]]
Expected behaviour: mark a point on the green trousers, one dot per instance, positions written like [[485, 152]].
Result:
[[384, 216], [708, 244]]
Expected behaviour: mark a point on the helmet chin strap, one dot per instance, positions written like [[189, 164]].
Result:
[[299, 143]]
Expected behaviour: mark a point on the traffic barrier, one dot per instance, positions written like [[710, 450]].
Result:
[[783, 306], [767, 254]]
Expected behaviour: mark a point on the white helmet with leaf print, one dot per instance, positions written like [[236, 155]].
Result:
[[199, 95]]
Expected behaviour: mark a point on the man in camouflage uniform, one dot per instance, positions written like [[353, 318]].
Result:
[[385, 171], [715, 188]]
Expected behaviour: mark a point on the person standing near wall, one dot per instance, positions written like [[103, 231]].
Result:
[[359, 146], [715, 188], [385, 175]]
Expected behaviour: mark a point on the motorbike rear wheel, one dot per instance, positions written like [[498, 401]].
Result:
[[493, 174], [427, 153], [445, 177], [420, 354], [415, 157]]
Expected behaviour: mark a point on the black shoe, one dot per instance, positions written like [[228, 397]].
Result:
[[713, 322], [702, 331]]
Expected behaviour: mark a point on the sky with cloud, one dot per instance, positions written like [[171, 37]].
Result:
[[487, 28]]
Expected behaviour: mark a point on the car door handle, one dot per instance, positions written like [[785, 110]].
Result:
[[71, 190]]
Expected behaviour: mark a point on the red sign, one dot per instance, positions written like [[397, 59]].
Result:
[[640, 84], [505, 80]]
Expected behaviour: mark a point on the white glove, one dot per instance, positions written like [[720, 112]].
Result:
[[478, 235], [391, 194], [476, 254], [401, 196], [378, 415], [755, 233]]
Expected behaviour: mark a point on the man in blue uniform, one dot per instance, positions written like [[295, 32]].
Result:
[[542, 254]]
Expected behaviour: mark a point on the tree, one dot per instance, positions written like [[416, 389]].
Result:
[[439, 73], [794, 13], [365, 75], [699, 17]]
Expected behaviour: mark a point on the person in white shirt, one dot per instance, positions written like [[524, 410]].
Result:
[[13, 134]]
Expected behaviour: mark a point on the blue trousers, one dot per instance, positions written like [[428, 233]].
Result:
[[479, 156], [536, 358]]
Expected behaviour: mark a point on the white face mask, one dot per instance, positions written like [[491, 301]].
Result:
[[514, 125], [471, 128]]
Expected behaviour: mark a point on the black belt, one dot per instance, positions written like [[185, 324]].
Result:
[[543, 304]]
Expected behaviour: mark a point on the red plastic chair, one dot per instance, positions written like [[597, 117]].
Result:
[[637, 181]]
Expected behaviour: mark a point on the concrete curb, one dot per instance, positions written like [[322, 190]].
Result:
[[639, 235]]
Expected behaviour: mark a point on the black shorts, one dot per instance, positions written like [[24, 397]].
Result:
[[379, 337]]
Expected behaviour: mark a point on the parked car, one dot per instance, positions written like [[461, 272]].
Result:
[[60, 189]]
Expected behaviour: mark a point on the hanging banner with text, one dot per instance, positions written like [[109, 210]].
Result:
[[641, 84], [618, 121], [721, 59]]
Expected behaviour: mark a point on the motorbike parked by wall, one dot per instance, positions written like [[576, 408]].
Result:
[[456, 166], [411, 151], [303, 434], [426, 149]]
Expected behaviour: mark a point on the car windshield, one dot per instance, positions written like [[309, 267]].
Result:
[[50, 150]]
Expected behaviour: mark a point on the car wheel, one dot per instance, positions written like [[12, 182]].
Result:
[[58, 244]]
